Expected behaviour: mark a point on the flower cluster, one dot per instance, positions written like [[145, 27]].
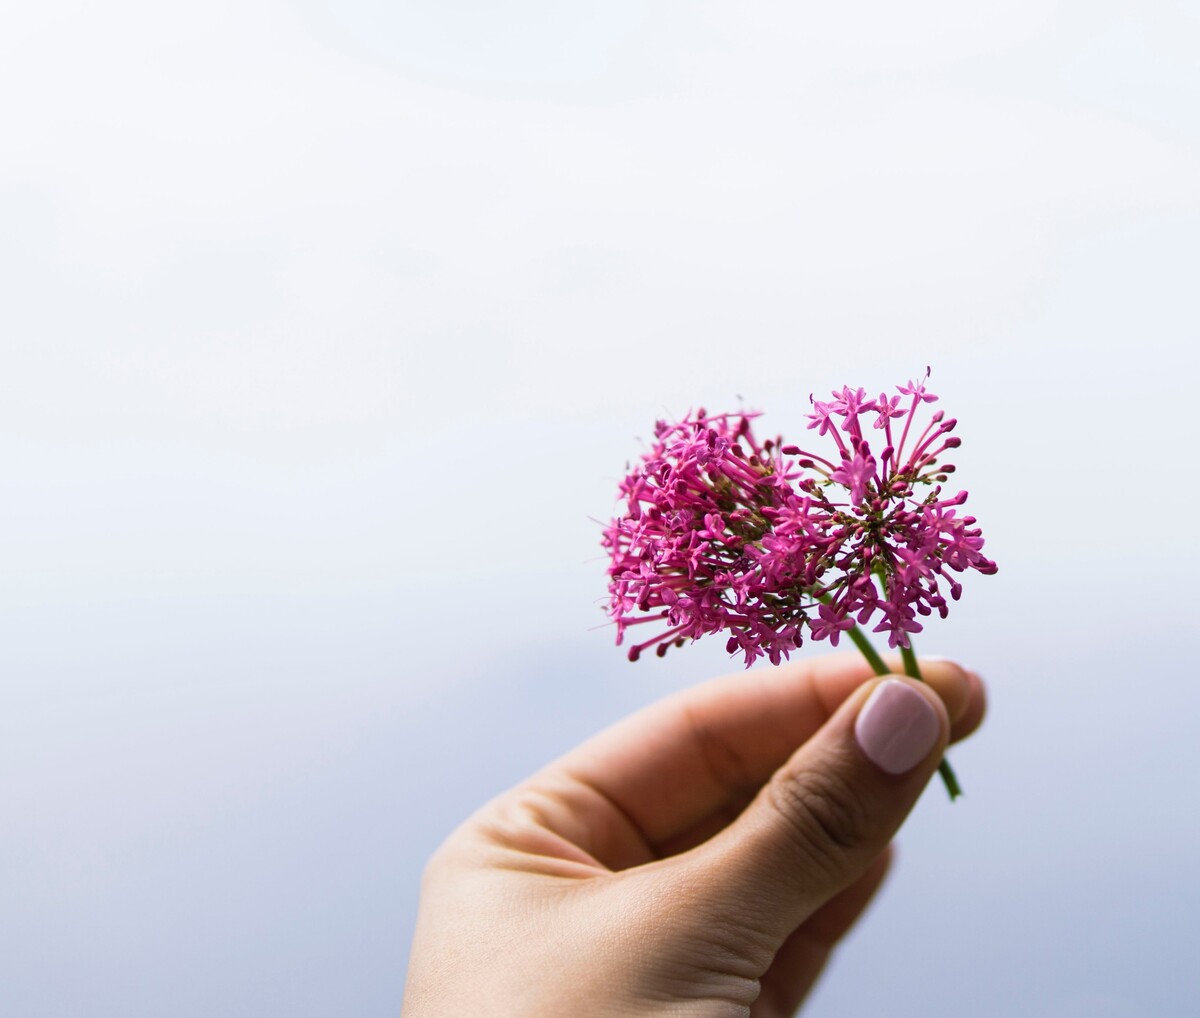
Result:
[[724, 533]]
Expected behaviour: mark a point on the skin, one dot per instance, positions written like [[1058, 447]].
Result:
[[701, 857]]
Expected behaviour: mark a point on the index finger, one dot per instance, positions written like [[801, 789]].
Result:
[[674, 764]]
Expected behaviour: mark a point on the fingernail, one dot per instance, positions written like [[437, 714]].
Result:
[[896, 727]]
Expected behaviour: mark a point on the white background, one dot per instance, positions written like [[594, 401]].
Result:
[[327, 329]]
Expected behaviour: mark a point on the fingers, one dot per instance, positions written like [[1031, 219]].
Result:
[[974, 711], [673, 763], [680, 769], [827, 813]]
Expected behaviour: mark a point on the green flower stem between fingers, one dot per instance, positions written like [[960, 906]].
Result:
[[913, 671]]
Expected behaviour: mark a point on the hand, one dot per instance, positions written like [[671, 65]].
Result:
[[701, 857]]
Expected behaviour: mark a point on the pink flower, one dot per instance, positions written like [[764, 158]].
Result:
[[821, 416], [887, 408], [849, 404], [856, 473], [830, 623], [724, 533]]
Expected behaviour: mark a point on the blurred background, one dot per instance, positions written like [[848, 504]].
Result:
[[327, 331]]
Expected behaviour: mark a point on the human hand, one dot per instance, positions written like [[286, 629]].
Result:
[[701, 857]]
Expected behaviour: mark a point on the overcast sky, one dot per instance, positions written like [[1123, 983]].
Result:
[[327, 330]]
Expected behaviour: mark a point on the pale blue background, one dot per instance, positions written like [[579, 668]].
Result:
[[327, 326]]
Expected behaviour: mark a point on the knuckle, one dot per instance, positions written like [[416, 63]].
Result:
[[825, 816]]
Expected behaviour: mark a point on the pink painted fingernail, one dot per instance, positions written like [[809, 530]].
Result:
[[896, 727]]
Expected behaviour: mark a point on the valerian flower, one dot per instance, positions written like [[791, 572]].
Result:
[[765, 541]]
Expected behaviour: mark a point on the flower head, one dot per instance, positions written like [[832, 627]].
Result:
[[723, 533]]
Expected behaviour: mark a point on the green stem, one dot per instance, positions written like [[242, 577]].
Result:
[[912, 670], [869, 652]]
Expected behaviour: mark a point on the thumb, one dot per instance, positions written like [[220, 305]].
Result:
[[825, 815]]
